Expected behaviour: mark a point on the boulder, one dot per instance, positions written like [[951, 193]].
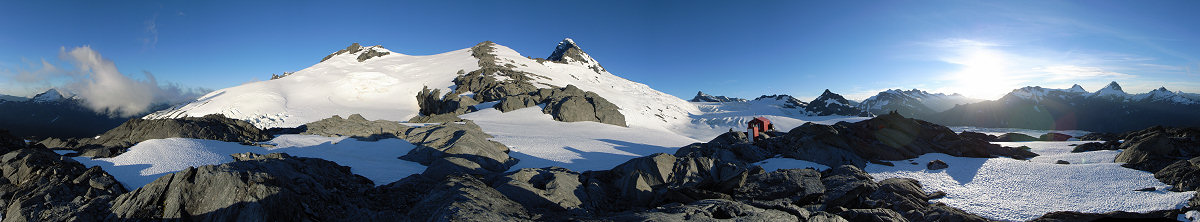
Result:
[[464, 198], [800, 186], [1062, 162], [272, 187], [936, 165], [355, 126], [1183, 175], [1100, 137], [552, 189], [463, 140], [848, 186], [1015, 137], [39, 185], [1065, 216], [1054, 137], [570, 104], [1094, 146], [516, 102], [432, 102], [1156, 148]]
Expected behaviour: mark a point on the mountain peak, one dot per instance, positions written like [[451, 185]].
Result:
[[51, 95], [1162, 89], [703, 97], [355, 48], [1076, 88], [566, 48], [1113, 85]]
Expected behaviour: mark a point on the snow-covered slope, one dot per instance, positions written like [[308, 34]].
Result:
[[379, 88], [385, 87], [1112, 91], [1163, 95]]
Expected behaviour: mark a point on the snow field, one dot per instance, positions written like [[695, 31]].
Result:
[[151, 159]]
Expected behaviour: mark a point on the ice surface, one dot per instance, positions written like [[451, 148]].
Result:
[[1017, 190], [539, 141], [1052, 151], [150, 159]]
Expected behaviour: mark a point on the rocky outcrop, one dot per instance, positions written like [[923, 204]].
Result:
[[355, 126], [272, 187], [706, 210], [886, 137], [936, 165], [458, 198], [567, 104], [355, 48], [464, 141], [1015, 137], [1071, 216], [701, 97], [1154, 148], [1100, 137], [8, 142], [40, 185], [432, 102], [978, 136], [1183, 175], [1094, 146], [114, 142], [1054, 137]]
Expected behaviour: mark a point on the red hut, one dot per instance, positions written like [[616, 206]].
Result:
[[757, 126]]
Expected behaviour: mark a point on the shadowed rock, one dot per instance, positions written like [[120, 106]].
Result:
[[40, 185]]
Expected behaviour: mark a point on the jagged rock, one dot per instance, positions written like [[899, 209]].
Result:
[[272, 187], [432, 102], [801, 186], [355, 48], [463, 140], [449, 165], [872, 215], [464, 198], [40, 185], [570, 104], [516, 102], [437, 118], [1094, 146], [701, 97], [847, 186], [707, 210], [355, 126], [1015, 137], [1054, 137], [978, 136], [552, 189], [1100, 137], [936, 165], [1183, 175], [1155, 148], [371, 53], [728, 147], [210, 127]]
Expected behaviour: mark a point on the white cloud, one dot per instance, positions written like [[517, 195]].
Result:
[[1071, 72], [151, 29], [104, 89]]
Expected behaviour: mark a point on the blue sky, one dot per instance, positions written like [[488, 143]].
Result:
[[734, 48]]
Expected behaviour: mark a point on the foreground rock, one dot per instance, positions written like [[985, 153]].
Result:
[[1183, 175], [1070, 216], [1015, 137], [886, 137], [1154, 148], [1094, 146], [1054, 137], [40, 185], [114, 142]]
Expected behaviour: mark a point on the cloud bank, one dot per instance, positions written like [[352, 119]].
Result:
[[105, 90]]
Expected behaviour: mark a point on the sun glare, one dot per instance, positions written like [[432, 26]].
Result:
[[983, 73]]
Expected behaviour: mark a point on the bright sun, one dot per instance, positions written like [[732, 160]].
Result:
[[983, 74]]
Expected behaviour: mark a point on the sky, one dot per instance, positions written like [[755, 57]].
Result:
[[982, 49]]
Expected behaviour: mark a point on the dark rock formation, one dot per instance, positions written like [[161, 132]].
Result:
[[1183, 175], [1154, 148], [1062, 162], [1071, 216], [570, 104], [114, 142], [355, 48], [463, 198], [432, 102], [706, 210], [355, 126], [1054, 137], [40, 185], [701, 97], [1094, 146], [1015, 137], [978, 136], [936, 165], [273, 187], [1100, 137], [464, 141]]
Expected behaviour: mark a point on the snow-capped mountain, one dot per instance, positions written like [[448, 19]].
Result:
[[830, 103], [1112, 91], [1109, 109], [4, 98], [382, 84], [912, 102], [51, 95], [702, 97]]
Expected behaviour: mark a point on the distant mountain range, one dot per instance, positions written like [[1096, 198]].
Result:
[[828, 104], [1109, 109], [54, 114]]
